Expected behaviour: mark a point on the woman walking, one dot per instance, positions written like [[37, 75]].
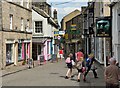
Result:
[[69, 65]]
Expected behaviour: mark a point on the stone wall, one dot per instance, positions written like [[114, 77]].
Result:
[[18, 12]]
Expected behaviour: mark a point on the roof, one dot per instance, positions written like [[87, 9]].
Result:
[[40, 11], [71, 13], [44, 14]]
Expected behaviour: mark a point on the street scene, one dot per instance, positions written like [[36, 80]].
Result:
[[60, 43], [49, 74]]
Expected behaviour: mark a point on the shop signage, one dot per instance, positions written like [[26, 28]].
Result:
[[103, 27], [61, 32], [73, 27], [56, 33]]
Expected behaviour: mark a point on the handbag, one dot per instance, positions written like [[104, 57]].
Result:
[[73, 63]]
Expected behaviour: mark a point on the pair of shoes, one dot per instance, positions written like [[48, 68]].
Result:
[[78, 80], [66, 77], [84, 79], [96, 77], [72, 76]]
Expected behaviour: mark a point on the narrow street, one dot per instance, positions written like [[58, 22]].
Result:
[[51, 74]]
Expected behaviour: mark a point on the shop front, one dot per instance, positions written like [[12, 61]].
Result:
[[17, 50], [9, 54]]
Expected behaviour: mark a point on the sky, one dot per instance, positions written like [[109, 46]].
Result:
[[64, 7]]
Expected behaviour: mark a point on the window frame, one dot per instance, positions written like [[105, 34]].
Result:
[[11, 22], [41, 30]]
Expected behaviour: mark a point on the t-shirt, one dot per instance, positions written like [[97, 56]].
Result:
[[80, 56], [61, 52], [112, 74]]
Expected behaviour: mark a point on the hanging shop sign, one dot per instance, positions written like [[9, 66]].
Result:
[[73, 27], [103, 27]]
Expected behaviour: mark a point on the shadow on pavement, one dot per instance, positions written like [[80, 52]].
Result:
[[54, 73]]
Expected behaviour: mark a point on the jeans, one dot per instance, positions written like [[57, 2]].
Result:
[[94, 72]]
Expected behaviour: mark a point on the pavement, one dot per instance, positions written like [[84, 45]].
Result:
[[15, 69], [49, 74]]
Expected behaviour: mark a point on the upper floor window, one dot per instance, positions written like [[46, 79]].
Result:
[[22, 24], [38, 27], [27, 3], [11, 21], [27, 24], [21, 2]]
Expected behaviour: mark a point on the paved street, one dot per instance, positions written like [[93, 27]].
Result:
[[50, 74]]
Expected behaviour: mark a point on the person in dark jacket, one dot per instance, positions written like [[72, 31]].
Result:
[[89, 62]]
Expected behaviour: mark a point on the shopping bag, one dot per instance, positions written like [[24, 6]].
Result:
[[73, 63]]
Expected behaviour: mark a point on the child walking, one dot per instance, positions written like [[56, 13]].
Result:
[[81, 69], [69, 65]]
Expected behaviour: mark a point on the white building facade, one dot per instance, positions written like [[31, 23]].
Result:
[[116, 30], [43, 34]]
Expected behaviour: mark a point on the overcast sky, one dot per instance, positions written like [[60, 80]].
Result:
[[64, 7]]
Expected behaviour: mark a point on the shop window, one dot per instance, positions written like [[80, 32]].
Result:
[[19, 51], [9, 53], [38, 27]]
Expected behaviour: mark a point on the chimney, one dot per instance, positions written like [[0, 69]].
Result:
[[55, 14]]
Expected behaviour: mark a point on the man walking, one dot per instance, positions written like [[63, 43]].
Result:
[[112, 74]]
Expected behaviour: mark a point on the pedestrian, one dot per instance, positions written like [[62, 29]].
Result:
[[61, 54], [80, 63], [69, 65], [111, 74], [89, 62], [81, 69], [79, 55]]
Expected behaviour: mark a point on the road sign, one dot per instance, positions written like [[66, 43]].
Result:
[[61, 32]]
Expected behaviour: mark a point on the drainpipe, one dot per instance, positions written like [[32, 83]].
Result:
[[2, 37]]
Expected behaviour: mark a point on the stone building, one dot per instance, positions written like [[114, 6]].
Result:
[[72, 25], [44, 6], [15, 32]]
